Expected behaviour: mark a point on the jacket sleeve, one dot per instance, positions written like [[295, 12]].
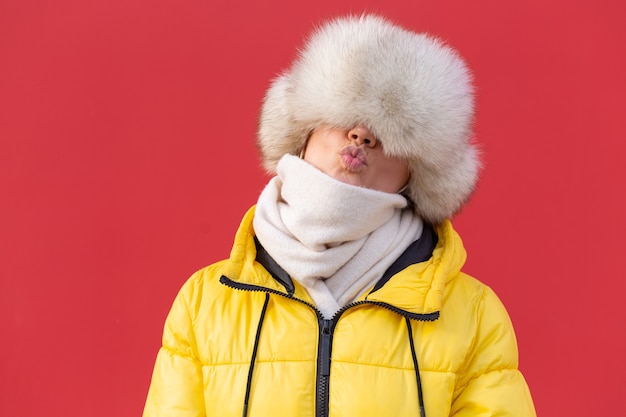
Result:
[[491, 384], [176, 389]]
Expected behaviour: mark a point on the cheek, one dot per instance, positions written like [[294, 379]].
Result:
[[406, 175], [397, 174], [316, 157], [320, 156]]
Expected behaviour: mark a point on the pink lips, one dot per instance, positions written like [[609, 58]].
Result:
[[353, 157]]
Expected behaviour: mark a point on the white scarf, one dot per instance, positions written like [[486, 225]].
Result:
[[334, 238]]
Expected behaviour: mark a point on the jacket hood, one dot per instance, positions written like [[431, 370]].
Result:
[[410, 90]]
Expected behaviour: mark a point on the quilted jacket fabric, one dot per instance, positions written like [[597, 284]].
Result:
[[242, 338]]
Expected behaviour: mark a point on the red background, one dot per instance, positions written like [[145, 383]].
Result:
[[127, 159]]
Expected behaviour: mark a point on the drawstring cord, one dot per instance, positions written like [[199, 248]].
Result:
[[256, 346], [254, 351], [416, 367]]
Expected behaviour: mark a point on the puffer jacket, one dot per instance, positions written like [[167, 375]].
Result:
[[243, 339]]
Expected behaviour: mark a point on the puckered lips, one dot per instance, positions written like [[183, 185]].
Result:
[[353, 158]]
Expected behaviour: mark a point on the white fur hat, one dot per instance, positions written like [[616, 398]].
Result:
[[410, 90]]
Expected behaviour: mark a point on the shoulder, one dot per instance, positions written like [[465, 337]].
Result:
[[478, 311], [486, 321], [201, 285], [465, 289], [484, 294]]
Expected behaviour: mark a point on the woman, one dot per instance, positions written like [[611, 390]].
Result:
[[343, 294]]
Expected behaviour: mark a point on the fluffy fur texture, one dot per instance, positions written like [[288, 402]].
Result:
[[413, 92]]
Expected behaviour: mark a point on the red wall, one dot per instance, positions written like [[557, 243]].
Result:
[[127, 158]]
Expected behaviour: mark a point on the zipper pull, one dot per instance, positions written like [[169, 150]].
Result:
[[325, 342]]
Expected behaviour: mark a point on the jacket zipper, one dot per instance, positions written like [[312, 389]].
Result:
[[326, 330], [324, 354], [323, 367]]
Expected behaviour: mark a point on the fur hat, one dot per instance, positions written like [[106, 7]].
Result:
[[410, 90]]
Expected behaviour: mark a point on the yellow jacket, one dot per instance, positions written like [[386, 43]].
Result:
[[241, 341]]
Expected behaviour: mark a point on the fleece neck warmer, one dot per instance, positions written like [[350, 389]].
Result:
[[334, 238]]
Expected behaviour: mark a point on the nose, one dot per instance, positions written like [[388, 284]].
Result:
[[362, 136]]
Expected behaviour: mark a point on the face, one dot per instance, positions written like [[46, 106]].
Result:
[[356, 157]]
